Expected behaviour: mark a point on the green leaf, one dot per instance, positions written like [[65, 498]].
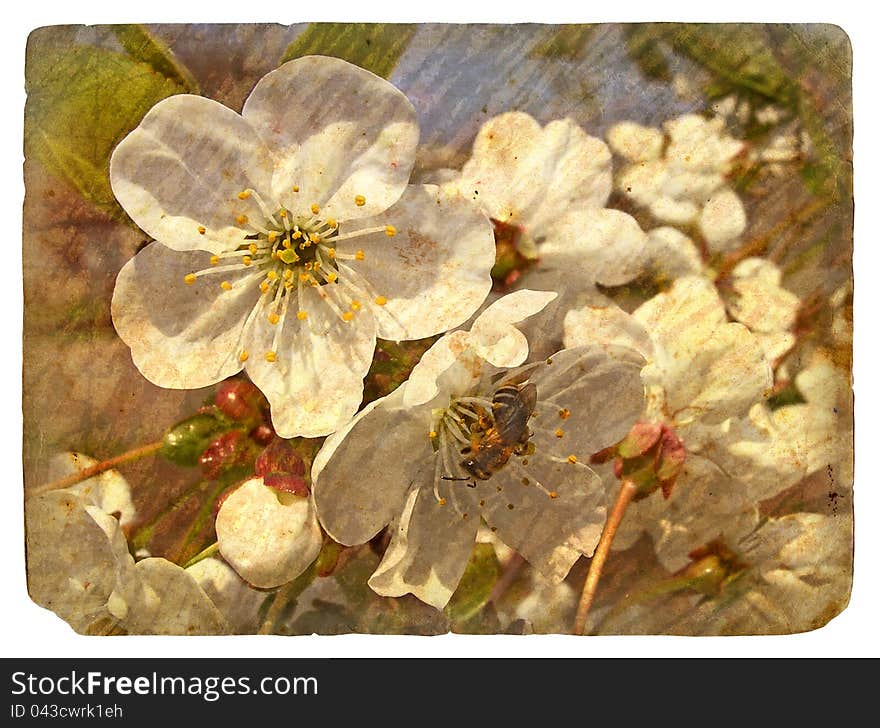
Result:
[[643, 48], [738, 54], [568, 42], [185, 441], [374, 46], [143, 46], [81, 102], [476, 585]]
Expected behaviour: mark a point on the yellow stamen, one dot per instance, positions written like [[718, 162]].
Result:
[[314, 237], [360, 200], [243, 357], [226, 286], [202, 230], [331, 253], [296, 188], [273, 236], [304, 277], [355, 305], [553, 494], [282, 213], [297, 234], [264, 287], [380, 300], [244, 194], [565, 413], [331, 277], [331, 222], [274, 318], [241, 219], [572, 459], [359, 255], [271, 356], [347, 316], [272, 275], [252, 248], [302, 315], [189, 278], [287, 244], [441, 502], [288, 273], [559, 432], [215, 259], [315, 209], [390, 231], [247, 260], [432, 434]]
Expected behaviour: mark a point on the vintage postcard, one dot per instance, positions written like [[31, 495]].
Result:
[[385, 328]]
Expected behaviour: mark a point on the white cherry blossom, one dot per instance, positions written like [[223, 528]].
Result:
[[405, 461], [680, 175], [287, 240], [702, 370], [79, 565]]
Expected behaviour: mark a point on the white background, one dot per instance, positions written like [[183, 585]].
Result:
[[28, 630]]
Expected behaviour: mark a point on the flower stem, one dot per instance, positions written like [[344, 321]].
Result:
[[98, 468], [627, 491], [203, 554], [283, 597]]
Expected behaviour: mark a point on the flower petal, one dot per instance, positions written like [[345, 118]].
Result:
[[493, 335], [422, 385], [705, 504], [634, 142], [434, 272], [528, 176], [315, 384], [761, 302], [700, 144], [238, 602], [183, 167], [181, 336], [162, 598], [609, 327], [602, 245], [363, 472], [339, 131], [268, 537], [549, 532], [429, 550], [599, 395], [73, 556], [689, 311], [672, 254], [723, 220], [109, 491]]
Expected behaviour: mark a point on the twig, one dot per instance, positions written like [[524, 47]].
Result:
[[628, 489], [97, 468]]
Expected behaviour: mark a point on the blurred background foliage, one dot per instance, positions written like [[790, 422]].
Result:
[[89, 86]]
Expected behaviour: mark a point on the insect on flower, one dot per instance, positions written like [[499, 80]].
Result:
[[498, 434]]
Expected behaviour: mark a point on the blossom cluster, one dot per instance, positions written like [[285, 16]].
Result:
[[288, 239]]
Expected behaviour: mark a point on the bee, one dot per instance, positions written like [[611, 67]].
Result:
[[505, 434]]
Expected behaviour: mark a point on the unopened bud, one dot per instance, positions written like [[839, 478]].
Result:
[[287, 483], [263, 434], [651, 456], [185, 442], [229, 450], [279, 457], [239, 399], [712, 567]]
